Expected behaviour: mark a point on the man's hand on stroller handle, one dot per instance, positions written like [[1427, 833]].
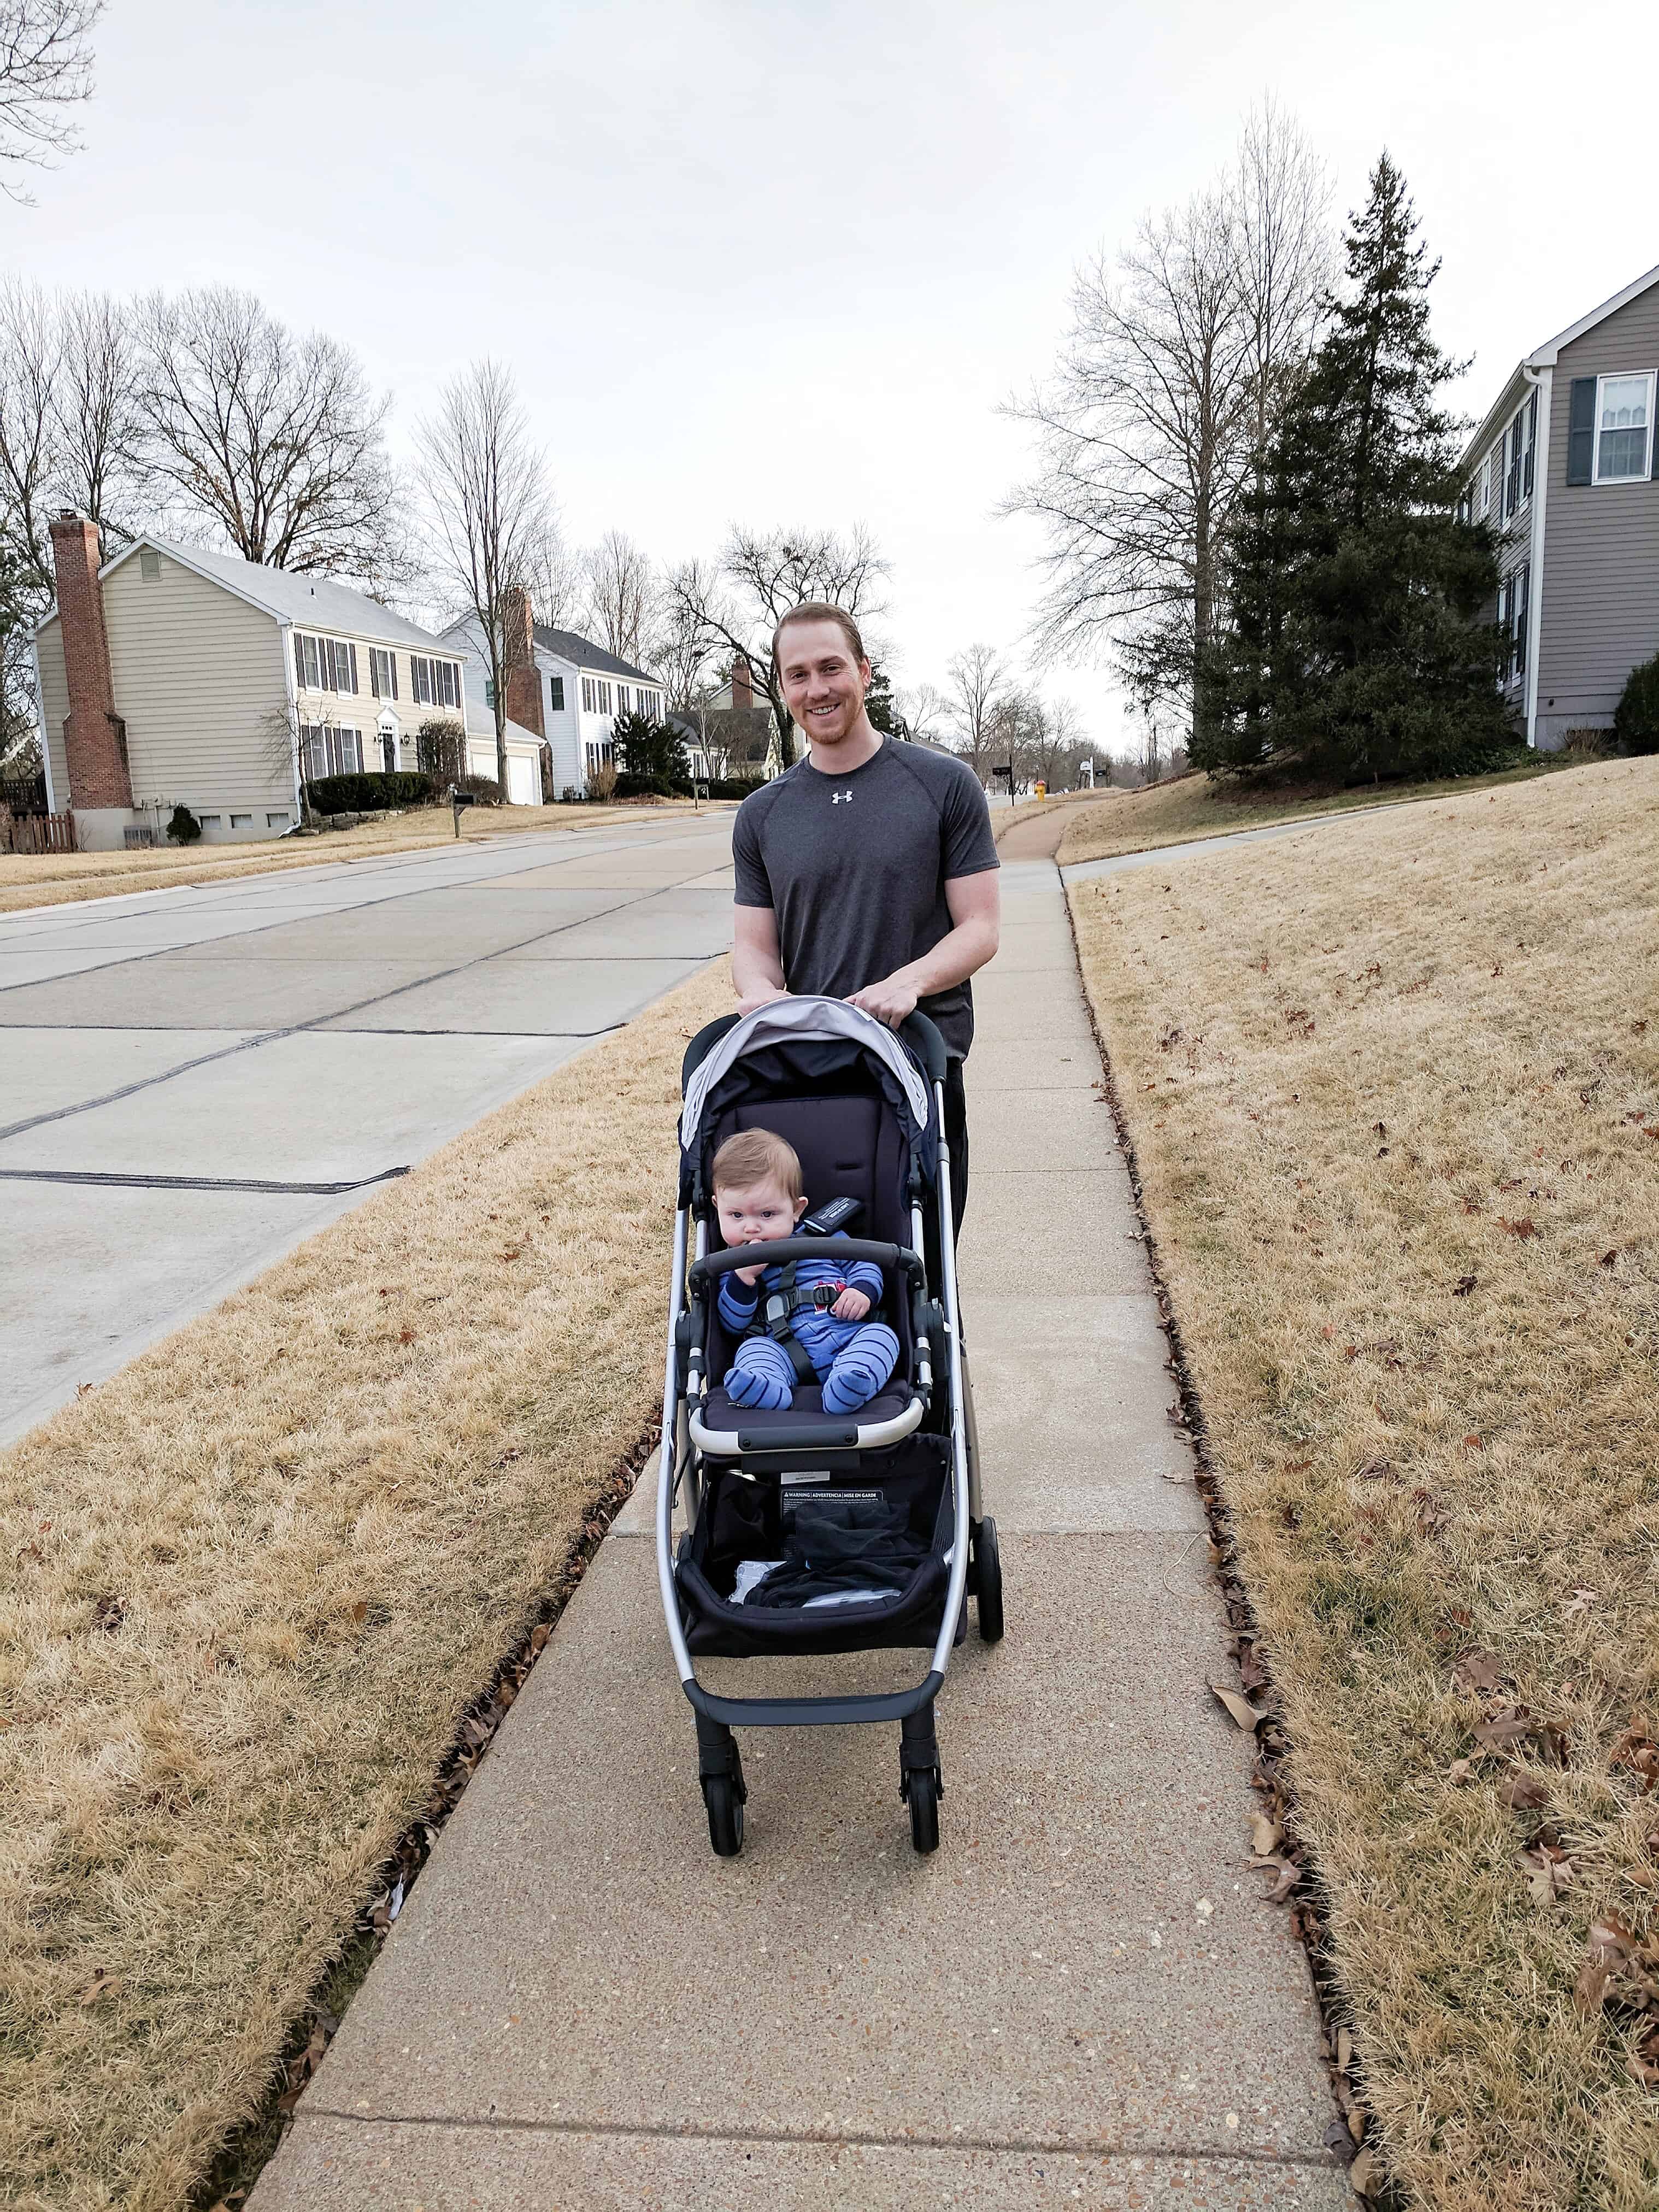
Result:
[[892, 1000]]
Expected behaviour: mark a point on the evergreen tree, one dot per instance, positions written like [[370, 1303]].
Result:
[[651, 752], [881, 707], [1354, 645]]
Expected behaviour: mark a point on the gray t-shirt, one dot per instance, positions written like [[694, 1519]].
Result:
[[854, 868]]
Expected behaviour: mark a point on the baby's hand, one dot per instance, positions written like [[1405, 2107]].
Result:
[[851, 1305], [749, 1274]]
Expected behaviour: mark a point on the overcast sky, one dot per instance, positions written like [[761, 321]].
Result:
[[761, 261]]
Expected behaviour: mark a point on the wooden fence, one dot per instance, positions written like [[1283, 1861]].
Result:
[[37, 833]]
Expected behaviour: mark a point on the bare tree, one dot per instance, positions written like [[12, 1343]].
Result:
[[101, 430], [1176, 361], [1142, 439], [1281, 196], [732, 605], [924, 712], [31, 351], [978, 681], [46, 72], [681, 655], [488, 510], [552, 576], [619, 596], [269, 441]]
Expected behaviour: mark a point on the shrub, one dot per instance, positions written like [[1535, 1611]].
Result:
[[1636, 718], [602, 781], [184, 829], [365, 794], [653, 787], [440, 748], [733, 787], [485, 788]]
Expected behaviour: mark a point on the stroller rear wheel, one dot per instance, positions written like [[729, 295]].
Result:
[[987, 1581], [922, 1788], [720, 1794]]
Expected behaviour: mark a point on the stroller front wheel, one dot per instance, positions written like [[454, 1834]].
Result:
[[987, 1581], [721, 1795], [923, 1790]]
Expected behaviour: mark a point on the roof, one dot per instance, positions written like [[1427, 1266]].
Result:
[[586, 654], [1547, 355], [290, 596]]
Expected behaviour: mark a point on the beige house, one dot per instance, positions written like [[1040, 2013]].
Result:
[[170, 675]]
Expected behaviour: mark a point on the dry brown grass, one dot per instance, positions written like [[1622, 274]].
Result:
[[1393, 1088], [54, 879], [1191, 806], [252, 1582]]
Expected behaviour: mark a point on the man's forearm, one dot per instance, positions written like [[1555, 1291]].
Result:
[[956, 956], [755, 974]]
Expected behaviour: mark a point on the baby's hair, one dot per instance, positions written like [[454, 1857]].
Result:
[[756, 1155]]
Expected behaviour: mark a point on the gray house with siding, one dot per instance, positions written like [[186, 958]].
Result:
[[1566, 469]]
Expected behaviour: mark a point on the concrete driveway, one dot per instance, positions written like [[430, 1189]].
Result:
[[193, 1081]]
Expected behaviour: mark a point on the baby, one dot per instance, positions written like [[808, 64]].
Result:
[[758, 1197]]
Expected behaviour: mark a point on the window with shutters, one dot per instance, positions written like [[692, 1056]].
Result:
[[1623, 428], [382, 673], [325, 663], [556, 694], [1495, 484], [622, 698], [604, 697], [587, 695], [329, 751], [1513, 594], [433, 682]]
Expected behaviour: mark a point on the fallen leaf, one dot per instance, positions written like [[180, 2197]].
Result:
[[1610, 1948], [1365, 2174], [1609, 1259], [1265, 1836], [108, 1614], [1643, 2064], [1465, 1284], [103, 1985], [360, 1610], [405, 1336], [1249, 1717], [1514, 1724], [1522, 1228], [1459, 1773], [1582, 1600], [1479, 1670], [1522, 1793]]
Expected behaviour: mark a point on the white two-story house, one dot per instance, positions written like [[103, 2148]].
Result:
[[563, 687], [172, 676]]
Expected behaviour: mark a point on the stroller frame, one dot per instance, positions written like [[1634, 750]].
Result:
[[687, 1444]]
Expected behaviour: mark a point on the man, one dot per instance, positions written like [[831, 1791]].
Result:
[[867, 872]]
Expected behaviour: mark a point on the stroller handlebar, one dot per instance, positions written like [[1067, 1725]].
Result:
[[782, 1248]]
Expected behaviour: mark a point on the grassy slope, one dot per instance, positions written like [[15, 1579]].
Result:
[[29, 879], [252, 1582], [1365, 1069], [1192, 806]]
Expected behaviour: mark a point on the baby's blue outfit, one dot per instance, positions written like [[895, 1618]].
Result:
[[851, 1358]]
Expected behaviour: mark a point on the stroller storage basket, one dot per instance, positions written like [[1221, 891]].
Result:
[[745, 1520], [802, 1533]]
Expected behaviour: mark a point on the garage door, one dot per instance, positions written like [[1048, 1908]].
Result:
[[522, 782]]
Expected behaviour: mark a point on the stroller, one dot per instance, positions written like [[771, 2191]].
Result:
[[863, 1109]]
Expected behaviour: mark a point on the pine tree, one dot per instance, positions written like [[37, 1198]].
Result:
[[1354, 645]]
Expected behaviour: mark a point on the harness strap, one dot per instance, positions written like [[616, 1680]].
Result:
[[780, 1308]]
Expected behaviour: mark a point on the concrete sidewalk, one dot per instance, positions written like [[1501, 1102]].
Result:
[[1079, 1999]]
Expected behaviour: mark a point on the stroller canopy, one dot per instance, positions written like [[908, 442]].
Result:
[[796, 1044]]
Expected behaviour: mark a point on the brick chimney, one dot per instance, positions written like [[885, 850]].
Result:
[[742, 691], [94, 736], [522, 677]]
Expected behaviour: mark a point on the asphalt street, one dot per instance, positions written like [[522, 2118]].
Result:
[[193, 1081]]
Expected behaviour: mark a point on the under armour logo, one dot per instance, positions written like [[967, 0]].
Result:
[[840, 799]]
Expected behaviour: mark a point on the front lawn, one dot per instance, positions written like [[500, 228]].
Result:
[[1392, 1092], [1191, 805], [251, 1585]]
